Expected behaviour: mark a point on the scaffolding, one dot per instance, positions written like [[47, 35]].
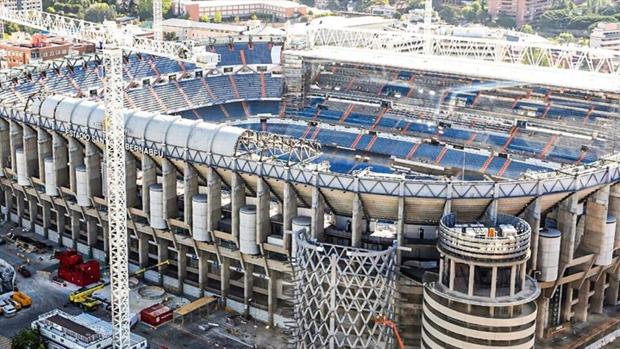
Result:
[[339, 292]]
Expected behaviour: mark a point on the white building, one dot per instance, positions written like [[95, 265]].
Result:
[[193, 30], [63, 331], [606, 35]]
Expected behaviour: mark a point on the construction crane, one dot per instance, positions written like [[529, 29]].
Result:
[[84, 298], [113, 40], [383, 320], [158, 18]]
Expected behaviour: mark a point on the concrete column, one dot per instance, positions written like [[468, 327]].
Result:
[[357, 222], [567, 306], [614, 210], [491, 212], [532, 217], [75, 227], [169, 184], [542, 316], [203, 271], [91, 233], [149, 176], [400, 229], [46, 212], [44, 149], [190, 188], [596, 221], [60, 221], [611, 294], [581, 308], [248, 287], [452, 274], [214, 197], [76, 158], [131, 174], [5, 145], [181, 266], [8, 200], [237, 199], [16, 141], [272, 300], [59, 152], [162, 255], [143, 250], [92, 160], [33, 207], [289, 211], [317, 227], [598, 298], [567, 224], [30, 152], [21, 205], [493, 282], [470, 285], [263, 216], [224, 279]]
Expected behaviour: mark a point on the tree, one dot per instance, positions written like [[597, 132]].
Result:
[[506, 21], [145, 9], [565, 38], [527, 29], [27, 339], [170, 36], [237, 19], [449, 14], [253, 17], [217, 17], [204, 18], [99, 12]]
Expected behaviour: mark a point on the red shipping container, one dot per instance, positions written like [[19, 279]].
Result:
[[156, 315]]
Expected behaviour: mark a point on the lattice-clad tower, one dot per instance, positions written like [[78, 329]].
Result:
[[482, 296], [339, 292]]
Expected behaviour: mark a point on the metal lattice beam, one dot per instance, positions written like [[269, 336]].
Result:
[[527, 53], [158, 30], [339, 292], [117, 207]]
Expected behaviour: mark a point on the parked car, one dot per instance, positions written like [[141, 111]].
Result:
[[23, 270], [9, 309]]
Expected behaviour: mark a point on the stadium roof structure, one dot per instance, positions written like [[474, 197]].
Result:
[[536, 62]]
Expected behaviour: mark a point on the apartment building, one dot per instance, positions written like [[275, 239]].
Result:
[[524, 11], [279, 9], [606, 35]]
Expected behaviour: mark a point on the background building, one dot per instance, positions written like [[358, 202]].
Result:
[[61, 330], [24, 49], [193, 30], [280, 9], [524, 11], [606, 35]]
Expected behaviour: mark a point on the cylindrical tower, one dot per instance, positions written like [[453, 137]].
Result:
[[156, 192], [199, 218], [81, 180], [340, 292], [22, 176], [51, 185], [482, 295], [247, 230]]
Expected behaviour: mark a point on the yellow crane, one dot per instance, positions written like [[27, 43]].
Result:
[[84, 296]]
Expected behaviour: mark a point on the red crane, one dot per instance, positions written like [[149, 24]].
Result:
[[383, 320]]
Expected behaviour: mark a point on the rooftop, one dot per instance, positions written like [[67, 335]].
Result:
[[186, 23], [222, 3]]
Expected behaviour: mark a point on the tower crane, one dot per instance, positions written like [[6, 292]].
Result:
[[113, 40], [158, 18]]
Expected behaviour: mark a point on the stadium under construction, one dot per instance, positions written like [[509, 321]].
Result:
[[320, 182]]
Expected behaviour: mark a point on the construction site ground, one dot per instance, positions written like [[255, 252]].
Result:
[[231, 331]]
